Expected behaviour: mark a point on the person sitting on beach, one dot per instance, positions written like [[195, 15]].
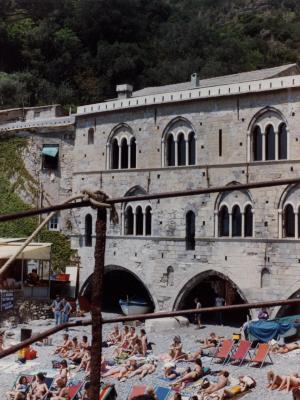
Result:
[[63, 373], [85, 361], [170, 372], [38, 389], [175, 351], [220, 384], [62, 392], [212, 341], [76, 357], [124, 343], [115, 336], [19, 393], [144, 370], [66, 345], [286, 348], [190, 376], [74, 348]]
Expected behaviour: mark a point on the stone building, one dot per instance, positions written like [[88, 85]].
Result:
[[242, 245]]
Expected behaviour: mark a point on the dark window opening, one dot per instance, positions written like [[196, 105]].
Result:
[[282, 142], [124, 154], [170, 151], [133, 153], [181, 150], [50, 158], [265, 278], [220, 142], [88, 230], [139, 220], [91, 136], [224, 222], [236, 221], [190, 227], [270, 143], [248, 221], [289, 221], [129, 221], [115, 154], [257, 144], [192, 149], [148, 221]]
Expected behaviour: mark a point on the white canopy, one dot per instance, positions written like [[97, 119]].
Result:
[[34, 251]]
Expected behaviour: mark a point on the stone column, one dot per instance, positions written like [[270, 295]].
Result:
[[230, 224], [216, 223], [243, 224], [120, 154], [253, 223], [187, 152], [276, 145], [263, 146], [108, 156], [129, 155], [280, 224], [134, 223], [162, 153], [144, 223], [248, 147], [296, 225], [176, 152]]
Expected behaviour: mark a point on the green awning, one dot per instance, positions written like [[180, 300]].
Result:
[[50, 151]]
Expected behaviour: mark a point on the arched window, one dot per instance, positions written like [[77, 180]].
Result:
[[190, 230], [257, 144], [223, 221], [282, 142], [132, 153], [170, 151], [181, 149], [91, 136], [115, 154], [265, 278], [128, 221], [124, 154], [248, 229], [289, 221], [88, 230], [270, 143], [170, 276], [139, 220], [236, 221], [192, 148], [148, 221]]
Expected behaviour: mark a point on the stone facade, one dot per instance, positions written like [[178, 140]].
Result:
[[264, 266]]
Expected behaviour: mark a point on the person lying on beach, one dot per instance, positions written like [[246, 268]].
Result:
[[19, 393], [220, 384], [66, 345], [122, 370], [245, 383], [62, 392], [286, 348], [282, 382], [190, 376], [274, 380], [144, 370], [38, 389], [191, 357], [212, 339], [170, 372], [175, 351]]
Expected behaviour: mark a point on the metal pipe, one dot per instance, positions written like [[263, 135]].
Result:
[[164, 195], [158, 315]]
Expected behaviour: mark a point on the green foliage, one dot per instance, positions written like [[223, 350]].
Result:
[[76, 51], [14, 178]]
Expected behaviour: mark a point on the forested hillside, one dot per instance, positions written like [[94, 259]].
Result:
[[76, 51]]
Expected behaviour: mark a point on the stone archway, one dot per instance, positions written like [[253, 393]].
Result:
[[206, 286], [294, 309], [119, 283]]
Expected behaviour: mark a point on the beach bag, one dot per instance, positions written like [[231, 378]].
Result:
[[30, 354]]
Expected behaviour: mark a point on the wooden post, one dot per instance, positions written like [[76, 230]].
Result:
[[96, 306]]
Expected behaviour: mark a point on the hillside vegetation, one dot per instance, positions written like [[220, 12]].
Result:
[[76, 51]]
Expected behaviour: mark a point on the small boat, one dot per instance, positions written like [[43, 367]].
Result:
[[133, 307]]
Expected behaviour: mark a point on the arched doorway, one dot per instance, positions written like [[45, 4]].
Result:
[[119, 283], [207, 286], [293, 309]]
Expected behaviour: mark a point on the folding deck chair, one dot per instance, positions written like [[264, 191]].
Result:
[[224, 350], [74, 390], [241, 352], [162, 393], [262, 351], [136, 390]]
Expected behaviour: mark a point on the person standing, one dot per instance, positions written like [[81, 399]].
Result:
[[219, 302], [57, 310], [198, 315], [66, 311]]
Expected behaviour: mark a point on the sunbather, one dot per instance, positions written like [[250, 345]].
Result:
[[63, 373], [144, 341], [170, 371], [74, 348], [61, 393], [274, 380], [144, 370], [66, 345], [283, 382], [176, 349], [190, 376], [85, 361], [122, 370], [220, 384], [115, 336], [19, 393], [245, 383], [286, 348], [38, 389]]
